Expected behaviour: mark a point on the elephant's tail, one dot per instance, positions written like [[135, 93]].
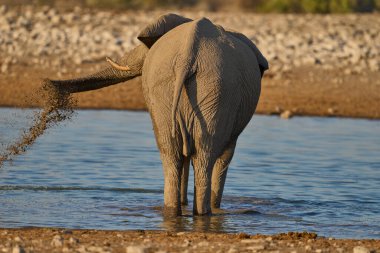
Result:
[[179, 83], [184, 66]]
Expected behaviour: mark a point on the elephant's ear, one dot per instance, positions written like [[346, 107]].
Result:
[[152, 32], [263, 63]]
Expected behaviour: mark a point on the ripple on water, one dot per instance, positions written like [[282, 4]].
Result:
[[102, 170]]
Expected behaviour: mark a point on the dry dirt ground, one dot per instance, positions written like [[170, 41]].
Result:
[[302, 91], [62, 240]]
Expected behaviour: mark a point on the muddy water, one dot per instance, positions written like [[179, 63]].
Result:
[[102, 170]]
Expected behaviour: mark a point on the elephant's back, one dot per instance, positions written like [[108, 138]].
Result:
[[219, 57]]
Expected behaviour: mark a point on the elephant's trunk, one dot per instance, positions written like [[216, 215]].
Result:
[[134, 61], [101, 79]]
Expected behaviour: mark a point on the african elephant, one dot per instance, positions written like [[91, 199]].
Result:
[[201, 84]]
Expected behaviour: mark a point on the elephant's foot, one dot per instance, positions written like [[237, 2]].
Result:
[[202, 209], [203, 213], [218, 211], [202, 201], [216, 199]]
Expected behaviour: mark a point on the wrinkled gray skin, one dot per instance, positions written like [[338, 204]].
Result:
[[201, 84]]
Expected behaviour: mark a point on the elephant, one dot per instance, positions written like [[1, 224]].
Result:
[[201, 84]]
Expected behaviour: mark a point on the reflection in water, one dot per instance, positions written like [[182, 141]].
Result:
[[103, 171], [210, 223], [214, 223]]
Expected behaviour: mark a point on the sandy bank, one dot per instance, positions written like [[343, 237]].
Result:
[[67, 240], [303, 91], [322, 65]]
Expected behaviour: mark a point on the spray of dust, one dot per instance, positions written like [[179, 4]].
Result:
[[57, 107]]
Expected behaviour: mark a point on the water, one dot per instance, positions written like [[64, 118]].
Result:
[[103, 171]]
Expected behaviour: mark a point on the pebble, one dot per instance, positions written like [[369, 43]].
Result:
[[57, 241], [4, 68], [373, 65], [253, 241], [232, 250], [18, 249], [256, 247], [3, 9], [361, 249], [17, 239], [66, 249], [348, 71], [73, 240], [286, 114], [269, 239], [96, 249], [82, 249], [186, 243], [136, 249], [331, 111], [203, 244]]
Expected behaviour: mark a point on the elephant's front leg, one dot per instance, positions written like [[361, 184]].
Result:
[[219, 174], [185, 180], [172, 166]]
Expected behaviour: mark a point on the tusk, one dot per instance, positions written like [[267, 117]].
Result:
[[117, 66]]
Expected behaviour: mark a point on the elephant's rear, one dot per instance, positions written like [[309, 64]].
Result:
[[224, 92], [219, 93]]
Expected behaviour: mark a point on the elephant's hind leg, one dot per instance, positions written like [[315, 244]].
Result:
[[203, 164], [172, 166], [185, 180], [219, 174]]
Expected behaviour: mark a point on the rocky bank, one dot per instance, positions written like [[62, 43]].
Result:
[[32, 36], [326, 65]]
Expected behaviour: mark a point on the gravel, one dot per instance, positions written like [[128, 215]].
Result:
[[57, 241], [105, 241], [51, 38], [361, 249]]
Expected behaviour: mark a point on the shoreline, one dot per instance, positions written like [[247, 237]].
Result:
[[92, 240], [271, 114], [294, 94]]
